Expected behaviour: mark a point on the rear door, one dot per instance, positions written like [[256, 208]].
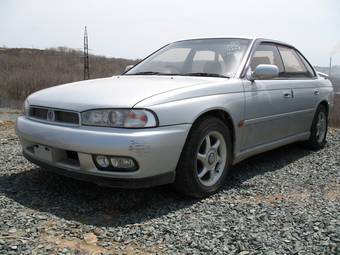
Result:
[[303, 82], [268, 102]]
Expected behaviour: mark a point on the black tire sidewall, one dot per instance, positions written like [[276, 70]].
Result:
[[313, 141], [198, 132]]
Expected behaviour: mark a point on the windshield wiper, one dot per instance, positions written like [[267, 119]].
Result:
[[207, 75], [181, 74], [149, 73]]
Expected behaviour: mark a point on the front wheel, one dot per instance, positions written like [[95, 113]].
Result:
[[317, 139], [205, 159]]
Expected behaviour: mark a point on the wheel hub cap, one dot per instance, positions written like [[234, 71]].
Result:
[[211, 158]]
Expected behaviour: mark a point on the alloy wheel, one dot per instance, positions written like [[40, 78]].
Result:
[[321, 127], [211, 158]]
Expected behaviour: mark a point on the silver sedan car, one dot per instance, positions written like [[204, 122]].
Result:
[[183, 115]]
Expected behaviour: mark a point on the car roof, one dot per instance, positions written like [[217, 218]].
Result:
[[259, 39]]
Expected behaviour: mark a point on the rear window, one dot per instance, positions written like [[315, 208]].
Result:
[[293, 64]]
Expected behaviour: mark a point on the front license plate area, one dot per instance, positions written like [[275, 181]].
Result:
[[43, 152]]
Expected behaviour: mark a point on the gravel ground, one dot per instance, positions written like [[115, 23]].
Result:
[[283, 202]]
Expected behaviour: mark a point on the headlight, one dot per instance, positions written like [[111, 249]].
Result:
[[123, 118], [26, 108]]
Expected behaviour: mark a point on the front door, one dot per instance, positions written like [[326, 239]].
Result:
[[268, 103]]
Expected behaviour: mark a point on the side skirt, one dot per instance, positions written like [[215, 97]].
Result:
[[269, 146]]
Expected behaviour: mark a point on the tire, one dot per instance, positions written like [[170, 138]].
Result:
[[317, 139], [192, 176]]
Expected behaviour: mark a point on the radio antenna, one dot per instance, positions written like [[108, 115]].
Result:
[[86, 56]]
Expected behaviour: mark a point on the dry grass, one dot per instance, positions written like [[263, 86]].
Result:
[[6, 125], [79, 246], [24, 71], [293, 197], [332, 192], [335, 115]]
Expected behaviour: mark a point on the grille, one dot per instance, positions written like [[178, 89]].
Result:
[[54, 115]]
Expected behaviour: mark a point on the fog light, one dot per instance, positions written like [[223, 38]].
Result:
[[102, 161], [125, 163]]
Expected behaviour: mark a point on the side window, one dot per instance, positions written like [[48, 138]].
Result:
[[294, 67], [266, 54]]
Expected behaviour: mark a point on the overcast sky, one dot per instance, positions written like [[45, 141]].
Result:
[[133, 29]]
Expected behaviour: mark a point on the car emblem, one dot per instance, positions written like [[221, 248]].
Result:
[[50, 115]]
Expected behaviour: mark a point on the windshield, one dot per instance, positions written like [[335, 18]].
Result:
[[202, 57]]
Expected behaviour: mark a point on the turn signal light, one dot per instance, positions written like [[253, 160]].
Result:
[[126, 163], [115, 163]]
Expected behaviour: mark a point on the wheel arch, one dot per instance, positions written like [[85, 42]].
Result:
[[225, 117], [326, 104]]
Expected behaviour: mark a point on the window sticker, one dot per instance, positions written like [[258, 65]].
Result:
[[232, 48]]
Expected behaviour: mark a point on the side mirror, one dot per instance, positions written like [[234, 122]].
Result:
[[265, 72], [128, 67]]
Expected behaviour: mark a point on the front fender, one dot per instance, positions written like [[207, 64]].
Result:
[[188, 110]]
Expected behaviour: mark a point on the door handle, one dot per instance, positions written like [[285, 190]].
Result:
[[287, 94], [316, 92]]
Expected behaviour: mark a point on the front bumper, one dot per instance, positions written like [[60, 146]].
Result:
[[105, 181], [156, 150]]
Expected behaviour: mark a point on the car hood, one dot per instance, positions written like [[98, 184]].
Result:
[[114, 92]]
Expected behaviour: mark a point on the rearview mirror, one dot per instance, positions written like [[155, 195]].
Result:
[[265, 72], [128, 67]]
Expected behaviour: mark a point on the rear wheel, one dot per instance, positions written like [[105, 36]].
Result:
[[317, 139], [206, 158]]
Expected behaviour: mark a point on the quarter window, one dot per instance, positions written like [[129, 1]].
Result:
[[307, 65]]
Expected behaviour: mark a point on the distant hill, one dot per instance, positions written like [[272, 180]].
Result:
[[23, 71]]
